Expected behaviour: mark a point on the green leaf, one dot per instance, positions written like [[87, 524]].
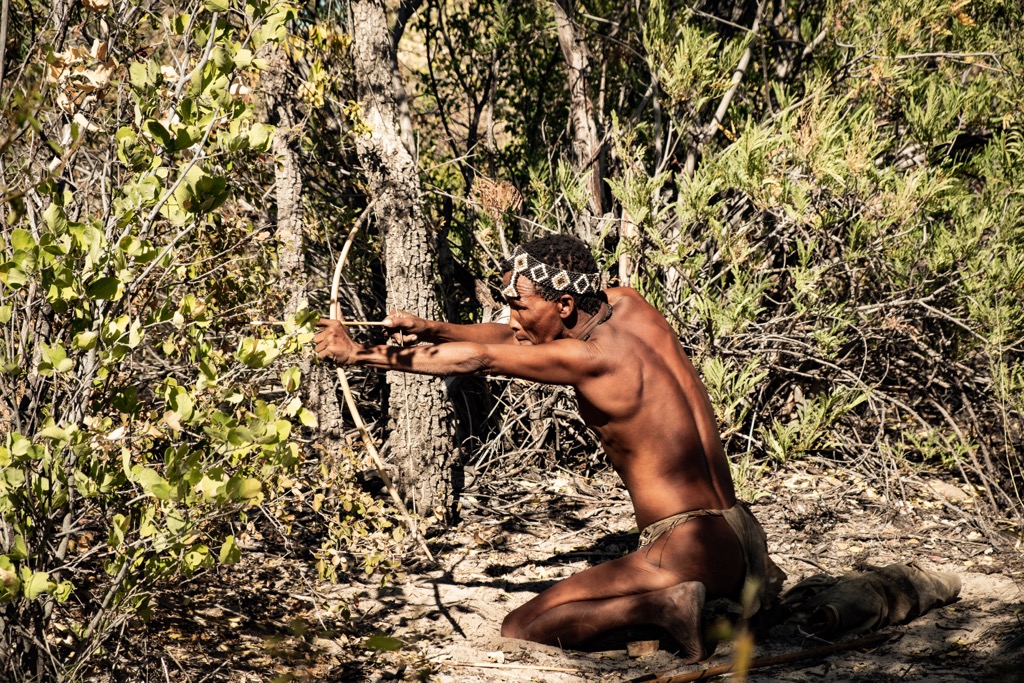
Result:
[[12, 276], [179, 23], [55, 359], [230, 552], [216, 5], [290, 379], [151, 482], [6, 311], [196, 558], [307, 418], [243, 488], [36, 583], [138, 72], [22, 239], [157, 130], [210, 488], [183, 138], [260, 136], [13, 477], [54, 432], [222, 59], [243, 58], [107, 288], [63, 591], [55, 218], [85, 340], [19, 551], [383, 643], [181, 403]]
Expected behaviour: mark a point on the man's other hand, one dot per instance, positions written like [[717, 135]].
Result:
[[405, 328], [333, 342]]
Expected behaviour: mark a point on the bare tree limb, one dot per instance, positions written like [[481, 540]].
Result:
[[586, 142], [723, 106]]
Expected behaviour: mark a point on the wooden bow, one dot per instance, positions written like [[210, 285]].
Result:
[[378, 463]]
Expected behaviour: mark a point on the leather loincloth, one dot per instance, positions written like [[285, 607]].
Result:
[[763, 580]]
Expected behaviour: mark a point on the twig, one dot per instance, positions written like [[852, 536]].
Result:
[[495, 665], [3, 38], [764, 662], [948, 55], [202, 60]]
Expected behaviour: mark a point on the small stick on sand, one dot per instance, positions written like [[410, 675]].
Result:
[[527, 667], [763, 662]]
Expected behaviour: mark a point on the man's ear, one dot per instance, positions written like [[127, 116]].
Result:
[[566, 305]]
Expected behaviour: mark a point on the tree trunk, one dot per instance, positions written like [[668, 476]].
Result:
[[421, 441], [281, 100], [586, 140]]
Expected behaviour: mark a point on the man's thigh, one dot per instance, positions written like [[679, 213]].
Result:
[[703, 549]]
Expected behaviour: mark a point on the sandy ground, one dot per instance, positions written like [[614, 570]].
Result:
[[815, 520], [272, 620]]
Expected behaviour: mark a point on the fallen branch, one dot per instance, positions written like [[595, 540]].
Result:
[[495, 665], [764, 662]]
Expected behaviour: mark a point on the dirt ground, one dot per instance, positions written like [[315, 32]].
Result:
[[271, 619]]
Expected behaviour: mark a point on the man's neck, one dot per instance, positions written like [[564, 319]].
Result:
[[584, 328]]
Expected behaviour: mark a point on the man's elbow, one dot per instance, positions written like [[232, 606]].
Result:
[[445, 360], [476, 364]]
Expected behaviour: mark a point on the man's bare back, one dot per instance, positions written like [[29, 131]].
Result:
[[643, 398], [653, 415]]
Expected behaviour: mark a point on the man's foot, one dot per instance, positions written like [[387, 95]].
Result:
[[682, 606]]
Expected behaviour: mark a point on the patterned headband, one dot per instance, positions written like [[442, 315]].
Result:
[[543, 274]]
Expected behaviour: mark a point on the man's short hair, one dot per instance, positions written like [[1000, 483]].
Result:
[[566, 253]]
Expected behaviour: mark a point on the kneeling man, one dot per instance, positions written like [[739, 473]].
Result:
[[641, 395]]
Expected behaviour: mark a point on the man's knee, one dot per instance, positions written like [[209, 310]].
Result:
[[514, 625]]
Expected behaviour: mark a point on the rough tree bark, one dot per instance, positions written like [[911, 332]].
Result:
[[586, 139], [421, 425], [406, 10], [280, 102]]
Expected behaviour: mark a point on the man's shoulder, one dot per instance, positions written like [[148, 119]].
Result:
[[617, 293], [625, 298]]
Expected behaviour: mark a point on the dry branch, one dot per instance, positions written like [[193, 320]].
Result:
[[764, 662], [723, 106]]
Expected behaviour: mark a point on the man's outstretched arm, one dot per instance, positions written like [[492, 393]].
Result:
[[413, 329], [565, 361]]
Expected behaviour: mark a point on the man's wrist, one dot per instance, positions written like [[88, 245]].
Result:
[[433, 330]]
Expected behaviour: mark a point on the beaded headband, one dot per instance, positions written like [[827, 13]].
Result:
[[543, 274]]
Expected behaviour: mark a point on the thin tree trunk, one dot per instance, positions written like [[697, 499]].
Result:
[[281, 101], [421, 441], [586, 139], [406, 10]]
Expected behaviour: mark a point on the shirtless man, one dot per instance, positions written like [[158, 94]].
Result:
[[640, 394]]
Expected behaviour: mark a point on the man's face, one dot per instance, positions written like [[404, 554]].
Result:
[[532, 319]]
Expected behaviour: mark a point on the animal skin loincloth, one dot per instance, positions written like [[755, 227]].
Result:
[[763, 580]]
